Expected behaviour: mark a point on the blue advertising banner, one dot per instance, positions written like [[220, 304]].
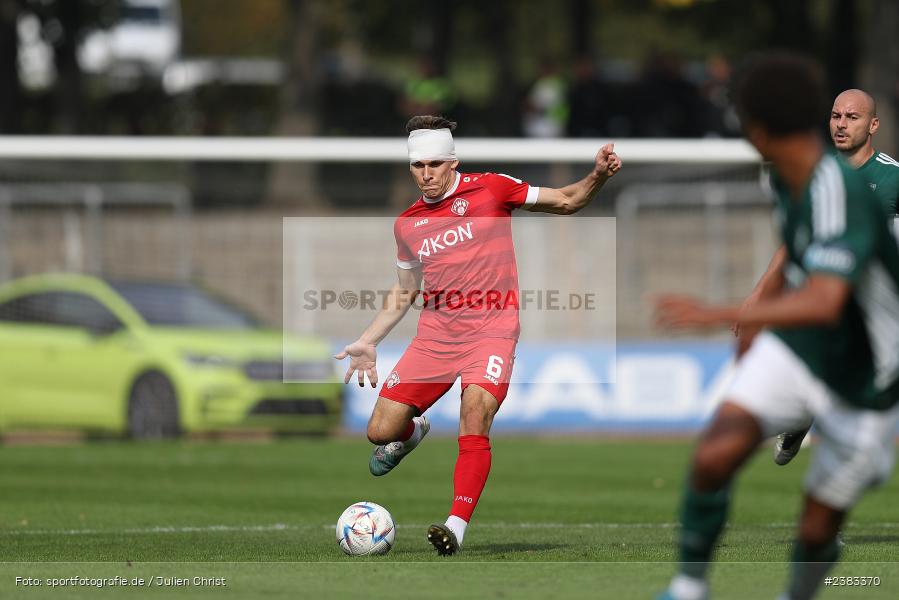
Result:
[[634, 387]]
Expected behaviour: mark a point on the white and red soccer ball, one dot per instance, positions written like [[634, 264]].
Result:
[[365, 529]]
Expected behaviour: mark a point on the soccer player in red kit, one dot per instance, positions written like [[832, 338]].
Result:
[[456, 239]]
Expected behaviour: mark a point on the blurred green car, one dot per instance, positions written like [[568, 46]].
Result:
[[152, 360]]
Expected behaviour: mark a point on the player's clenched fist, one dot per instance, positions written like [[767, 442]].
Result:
[[607, 162]]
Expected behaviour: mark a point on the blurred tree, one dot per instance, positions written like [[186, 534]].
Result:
[[234, 27], [437, 36], [580, 13], [791, 25], [10, 88], [504, 119], [64, 23], [843, 49], [300, 98], [829, 29], [881, 73]]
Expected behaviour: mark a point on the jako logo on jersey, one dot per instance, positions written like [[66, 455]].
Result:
[[873, 186], [829, 258], [421, 222], [465, 499], [492, 380], [450, 237], [393, 380], [459, 206]]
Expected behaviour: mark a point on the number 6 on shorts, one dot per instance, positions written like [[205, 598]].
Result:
[[494, 366]]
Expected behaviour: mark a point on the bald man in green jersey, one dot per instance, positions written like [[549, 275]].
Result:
[[853, 124]]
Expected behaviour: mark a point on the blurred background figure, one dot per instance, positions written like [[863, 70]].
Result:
[[587, 101], [428, 92], [721, 118], [546, 103], [679, 112]]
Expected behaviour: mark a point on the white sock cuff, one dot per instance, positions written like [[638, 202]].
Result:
[[457, 525]]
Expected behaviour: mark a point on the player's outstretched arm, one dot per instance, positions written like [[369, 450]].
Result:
[[574, 197], [819, 302], [363, 354]]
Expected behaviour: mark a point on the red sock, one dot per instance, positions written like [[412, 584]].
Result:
[[472, 468], [408, 431]]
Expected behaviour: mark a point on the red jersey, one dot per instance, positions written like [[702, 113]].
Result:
[[463, 243]]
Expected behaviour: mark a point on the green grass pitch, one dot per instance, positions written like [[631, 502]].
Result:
[[560, 518]]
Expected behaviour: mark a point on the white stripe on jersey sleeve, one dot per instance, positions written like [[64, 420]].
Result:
[[818, 208], [887, 159], [839, 202], [515, 179], [828, 201], [408, 264], [531, 198]]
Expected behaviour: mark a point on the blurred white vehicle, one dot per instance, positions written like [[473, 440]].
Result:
[[145, 40]]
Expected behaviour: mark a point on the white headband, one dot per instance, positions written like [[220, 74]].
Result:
[[431, 144]]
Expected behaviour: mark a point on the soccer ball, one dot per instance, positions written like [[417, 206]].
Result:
[[365, 528]]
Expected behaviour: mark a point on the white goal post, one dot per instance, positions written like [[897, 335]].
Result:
[[369, 150]]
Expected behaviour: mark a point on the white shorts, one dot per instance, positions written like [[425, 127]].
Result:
[[857, 447]]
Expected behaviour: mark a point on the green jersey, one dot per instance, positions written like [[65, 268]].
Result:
[[881, 173], [837, 228]]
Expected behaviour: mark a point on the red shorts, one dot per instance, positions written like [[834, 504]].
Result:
[[428, 368]]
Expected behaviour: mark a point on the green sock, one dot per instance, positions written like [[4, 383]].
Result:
[[702, 518], [809, 566]]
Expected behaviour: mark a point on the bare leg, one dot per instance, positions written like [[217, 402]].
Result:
[[388, 421], [727, 442], [477, 411]]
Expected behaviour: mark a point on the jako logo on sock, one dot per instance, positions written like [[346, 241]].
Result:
[[465, 499]]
